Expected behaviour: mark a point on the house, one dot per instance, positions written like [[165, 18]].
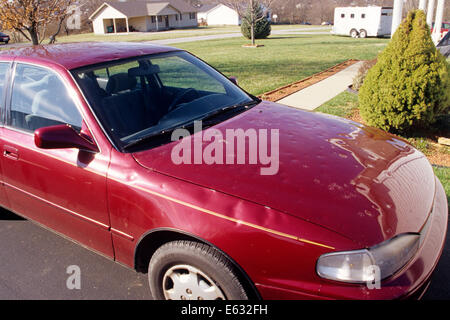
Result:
[[143, 16], [217, 14]]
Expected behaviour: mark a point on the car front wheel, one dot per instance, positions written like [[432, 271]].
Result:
[[186, 270]]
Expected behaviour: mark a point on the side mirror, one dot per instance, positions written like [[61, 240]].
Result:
[[62, 137], [234, 80]]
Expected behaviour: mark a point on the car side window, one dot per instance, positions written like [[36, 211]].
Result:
[[40, 99], [4, 67]]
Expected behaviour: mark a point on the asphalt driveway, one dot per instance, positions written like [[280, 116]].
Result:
[[34, 262]]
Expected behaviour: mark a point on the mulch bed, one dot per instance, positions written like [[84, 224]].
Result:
[[289, 89]]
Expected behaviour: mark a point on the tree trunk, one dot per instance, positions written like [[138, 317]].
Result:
[[60, 24], [252, 23], [34, 36], [252, 31]]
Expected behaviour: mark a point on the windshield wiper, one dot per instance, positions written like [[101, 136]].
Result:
[[215, 113], [154, 135], [189, 124]]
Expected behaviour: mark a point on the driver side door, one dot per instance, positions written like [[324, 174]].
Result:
[[63, 189]]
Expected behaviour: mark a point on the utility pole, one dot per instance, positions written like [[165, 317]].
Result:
[[430, 12], [423, 5], [397, 15], [438, 22]]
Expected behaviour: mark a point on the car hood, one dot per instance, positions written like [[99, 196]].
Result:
[[358, 181]]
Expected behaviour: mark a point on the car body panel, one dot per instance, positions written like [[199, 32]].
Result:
[[444, 45], [356, 168], [55, 188]]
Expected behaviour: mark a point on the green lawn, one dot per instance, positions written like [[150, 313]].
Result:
[[283, 59], [444, 176], [341, 106]]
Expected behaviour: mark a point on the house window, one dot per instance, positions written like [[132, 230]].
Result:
[[363, 16], [181, 16], [343, 15], [352, 16], [192, 16], [176, 17], [159, 18], [153, 19]]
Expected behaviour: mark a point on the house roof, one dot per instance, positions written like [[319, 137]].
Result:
[[140, 8], [208, 7]]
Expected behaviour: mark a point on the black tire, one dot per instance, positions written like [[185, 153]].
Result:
[[354, 33], [362, 33], [205, 258]]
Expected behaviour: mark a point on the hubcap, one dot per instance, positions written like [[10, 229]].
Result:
[[184, 282]]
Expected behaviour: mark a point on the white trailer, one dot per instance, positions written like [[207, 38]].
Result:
[[363, 22]]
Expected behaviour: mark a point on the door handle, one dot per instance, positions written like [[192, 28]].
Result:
[[11, 152]]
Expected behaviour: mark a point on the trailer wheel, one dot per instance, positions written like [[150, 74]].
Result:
[[354, 33], [363, 33]]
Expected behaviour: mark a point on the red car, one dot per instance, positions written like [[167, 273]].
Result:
[[87, 137], [444, 28]]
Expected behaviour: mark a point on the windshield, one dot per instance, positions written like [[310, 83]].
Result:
[[146, 96]]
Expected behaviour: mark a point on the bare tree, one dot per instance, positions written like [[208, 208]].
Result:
[[32, 17]]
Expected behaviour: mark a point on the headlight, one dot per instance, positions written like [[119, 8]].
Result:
[[358, 266]]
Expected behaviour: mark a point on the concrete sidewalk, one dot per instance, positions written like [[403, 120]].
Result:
[[314, 96]]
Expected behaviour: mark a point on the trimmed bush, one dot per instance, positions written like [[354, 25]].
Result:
[[362, 74], [262, 26], [409, 85]]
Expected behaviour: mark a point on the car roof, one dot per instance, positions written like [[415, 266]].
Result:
[[76, 55]]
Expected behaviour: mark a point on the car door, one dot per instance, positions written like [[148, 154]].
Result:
[[4, 73], [63, 189]]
